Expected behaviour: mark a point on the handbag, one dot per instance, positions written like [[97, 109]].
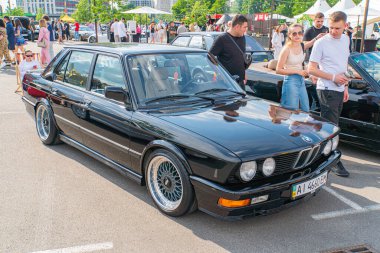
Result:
[[247, 57], [41, 43]]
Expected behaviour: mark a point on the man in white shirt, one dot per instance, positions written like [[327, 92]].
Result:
[[115, 30], [182, 28], [122, 30], [331, 54]]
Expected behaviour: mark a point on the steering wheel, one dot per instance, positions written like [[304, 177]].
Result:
[[198, 77]]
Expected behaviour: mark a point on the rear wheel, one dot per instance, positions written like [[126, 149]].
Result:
[[92, 39], [168, 183], [46, 129]]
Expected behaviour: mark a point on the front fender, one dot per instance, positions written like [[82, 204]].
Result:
[[168, 146]]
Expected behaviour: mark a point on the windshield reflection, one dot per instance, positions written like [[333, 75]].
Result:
[[369, 62], [165, 75]]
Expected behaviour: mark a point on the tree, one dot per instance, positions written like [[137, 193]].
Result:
[[199, 12], [182, 8], [15, 11], [219, 6], [82, 13], [236, 7]]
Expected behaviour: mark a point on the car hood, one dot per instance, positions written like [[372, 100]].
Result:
[[254, 128]]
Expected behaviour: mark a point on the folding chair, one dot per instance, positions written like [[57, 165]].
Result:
[[19, 57]]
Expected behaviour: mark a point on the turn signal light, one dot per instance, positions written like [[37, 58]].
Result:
[[234, 203]]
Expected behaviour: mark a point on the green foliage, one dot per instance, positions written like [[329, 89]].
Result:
[[219, 6], [236, 7], [198, 13], [40, 14], [82, 13], [15, 12]]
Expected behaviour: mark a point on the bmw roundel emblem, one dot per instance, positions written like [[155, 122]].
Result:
[[307, 139]]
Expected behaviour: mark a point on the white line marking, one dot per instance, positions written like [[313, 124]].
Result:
[[79, 249], [343, 199], [334, 214]]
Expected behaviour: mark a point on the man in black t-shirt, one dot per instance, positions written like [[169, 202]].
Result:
[[315, 32], [348, 30], [230, 49]]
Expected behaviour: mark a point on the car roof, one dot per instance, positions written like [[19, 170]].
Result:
[[134, 48], [201, 33]]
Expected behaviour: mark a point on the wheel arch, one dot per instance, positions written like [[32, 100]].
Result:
[[162, 144]]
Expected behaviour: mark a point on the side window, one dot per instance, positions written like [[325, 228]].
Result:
[[61, 69], [181, 41], [78, 68], [196, 42], [209, 41], [108, 72]]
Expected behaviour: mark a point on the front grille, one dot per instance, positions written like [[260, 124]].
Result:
[[285, 162]]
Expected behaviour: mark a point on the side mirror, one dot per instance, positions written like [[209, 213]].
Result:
[[118, 94], [236, 78], [50, 77]]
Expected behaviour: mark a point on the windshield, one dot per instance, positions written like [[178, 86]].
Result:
[[179, 77], [369, 62], [252, 44]]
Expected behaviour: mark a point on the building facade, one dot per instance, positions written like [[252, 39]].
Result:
[[50, 7], [136, 3], [164, 5]]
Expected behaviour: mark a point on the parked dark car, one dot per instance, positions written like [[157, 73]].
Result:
[[204, 40], [195, 142], [360, 119]]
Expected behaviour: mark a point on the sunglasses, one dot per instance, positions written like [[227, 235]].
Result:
[[299, 33], [29, 55]]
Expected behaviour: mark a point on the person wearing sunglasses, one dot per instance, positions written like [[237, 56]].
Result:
[[291, 65], [29, 63]]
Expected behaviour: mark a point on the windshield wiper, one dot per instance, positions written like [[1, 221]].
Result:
[[175, 97], [219, 90]]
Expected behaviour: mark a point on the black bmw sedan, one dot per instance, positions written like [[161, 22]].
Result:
[[173, 119]]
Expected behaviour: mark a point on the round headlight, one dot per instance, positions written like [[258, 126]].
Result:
[[335, 142], [268, 166], [248, 170], [327, 148]]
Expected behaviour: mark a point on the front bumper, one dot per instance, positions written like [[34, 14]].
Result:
[[208, 194]]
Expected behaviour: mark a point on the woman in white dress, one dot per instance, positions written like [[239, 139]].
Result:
[[277, 40], [161, 32]]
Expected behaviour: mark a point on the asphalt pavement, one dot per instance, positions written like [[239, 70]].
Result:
[[57, 199]]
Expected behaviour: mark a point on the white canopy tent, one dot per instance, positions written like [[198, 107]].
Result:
[[342, 5], [146, 10], [356, 14], [318, 6]]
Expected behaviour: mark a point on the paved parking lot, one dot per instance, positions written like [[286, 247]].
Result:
[[57, 199]]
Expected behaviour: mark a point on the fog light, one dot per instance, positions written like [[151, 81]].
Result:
[[327, 148], [233, 203], [248, 170], [259, 199], [335, 142], [268, 166]]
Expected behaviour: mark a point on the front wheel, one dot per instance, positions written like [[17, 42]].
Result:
[[46, 129], [168, 183]]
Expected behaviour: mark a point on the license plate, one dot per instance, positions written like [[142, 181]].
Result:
[[309, 186]]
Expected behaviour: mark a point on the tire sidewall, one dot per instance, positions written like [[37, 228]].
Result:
[[52, 131], [188, 197]]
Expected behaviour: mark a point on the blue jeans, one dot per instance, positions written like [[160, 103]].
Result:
[[76, 35], [294, 94]]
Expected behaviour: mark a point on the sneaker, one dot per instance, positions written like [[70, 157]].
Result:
[[339, 170], [2, 65]]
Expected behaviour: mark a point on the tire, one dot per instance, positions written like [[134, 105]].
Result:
[[46, 129], [92, 39], [168, 183]]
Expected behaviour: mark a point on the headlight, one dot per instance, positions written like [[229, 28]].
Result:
[[327, 148], [335, 142], [268, 166], [248, 170]]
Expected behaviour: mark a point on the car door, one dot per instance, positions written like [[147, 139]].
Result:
[[70, 81], [360, 116], [107, 127]]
